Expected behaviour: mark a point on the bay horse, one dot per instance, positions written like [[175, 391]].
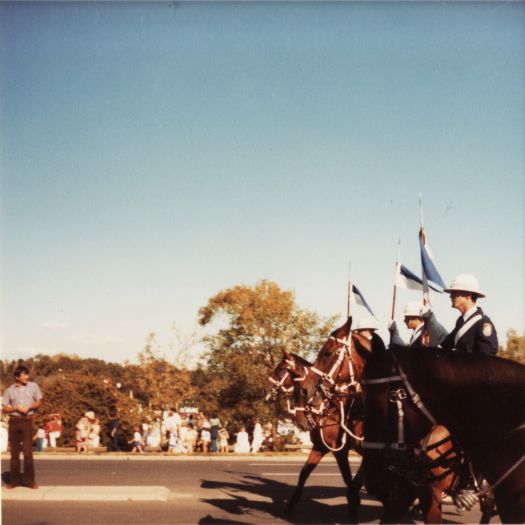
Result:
[[343, 360], [335, 424], [479, 399], [327, 433]]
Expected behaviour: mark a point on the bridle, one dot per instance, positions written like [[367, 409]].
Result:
[[335, 393], [401, 392], [343, 350], [279, 384]]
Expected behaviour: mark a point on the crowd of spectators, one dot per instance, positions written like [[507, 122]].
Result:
[[191, 433]]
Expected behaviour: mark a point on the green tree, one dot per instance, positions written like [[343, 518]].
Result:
[[515, 348], [158, 383], [257, 324]]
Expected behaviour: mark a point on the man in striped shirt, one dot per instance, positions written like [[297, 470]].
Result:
[[20, 401]]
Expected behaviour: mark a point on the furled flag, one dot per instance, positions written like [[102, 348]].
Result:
[[357, 297], [407, 279], [430, 273]]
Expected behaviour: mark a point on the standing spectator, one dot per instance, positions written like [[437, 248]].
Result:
[[20, 401], [223, 440], [54, 429], [40, 437], [94, 433], [215, 423], [114, 428], [154, 436], [3, 435], [257, 436], [137, 441], [146, 427], [173, 423], [242, 443]]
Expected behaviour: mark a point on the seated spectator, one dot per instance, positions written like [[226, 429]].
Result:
[[242, 443], [82, 432], [175, 445], [204, 440], [54, 429], [40, 437], [223, 440], [190, 438]]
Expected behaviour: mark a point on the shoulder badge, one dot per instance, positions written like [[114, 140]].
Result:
[[487, 329]]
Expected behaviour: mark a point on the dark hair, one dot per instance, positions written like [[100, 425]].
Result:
[[21, 369]]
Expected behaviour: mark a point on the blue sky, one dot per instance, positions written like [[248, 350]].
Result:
[[155, 154]]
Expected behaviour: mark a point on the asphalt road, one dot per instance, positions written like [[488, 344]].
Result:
[[248, 490]]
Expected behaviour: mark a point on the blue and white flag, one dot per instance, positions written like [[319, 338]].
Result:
[[357, 297], [430, 273], [407, 279]]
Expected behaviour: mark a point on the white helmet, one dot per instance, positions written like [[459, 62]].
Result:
[[413, 309], [465, 282], [367, 323]]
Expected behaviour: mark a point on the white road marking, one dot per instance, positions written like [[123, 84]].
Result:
[[88, 493], [290, 464], [295, 474]]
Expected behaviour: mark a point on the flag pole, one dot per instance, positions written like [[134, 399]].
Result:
[[395, 278], [426, 290], [349, 296]]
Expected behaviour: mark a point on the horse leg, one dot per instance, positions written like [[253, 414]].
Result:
[[400, 494], [352, 491], [430, 501], [313, 460]]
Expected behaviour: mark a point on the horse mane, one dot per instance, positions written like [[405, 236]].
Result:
[[301, 360], [468, 387], [472, 369]]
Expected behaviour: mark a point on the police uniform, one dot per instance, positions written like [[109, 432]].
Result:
[[474, 333], [436, 332]]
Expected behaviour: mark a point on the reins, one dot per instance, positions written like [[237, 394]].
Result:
[[398, 396]]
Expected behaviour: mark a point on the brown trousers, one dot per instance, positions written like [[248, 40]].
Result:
[[21, 439]]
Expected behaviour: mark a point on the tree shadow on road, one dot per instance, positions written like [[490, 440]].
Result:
[[256, 499], [269, 502]]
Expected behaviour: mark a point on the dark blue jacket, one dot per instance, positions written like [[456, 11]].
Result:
[[479, 338]]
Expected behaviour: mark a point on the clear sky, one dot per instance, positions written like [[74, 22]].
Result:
[[153, 154]]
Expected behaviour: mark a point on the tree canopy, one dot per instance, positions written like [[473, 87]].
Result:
[[256, 324]]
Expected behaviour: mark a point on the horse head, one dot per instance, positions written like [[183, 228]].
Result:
[[287, 379], [280, 379], [334, 377]]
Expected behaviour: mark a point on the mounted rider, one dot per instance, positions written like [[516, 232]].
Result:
[[366, 326], [474, 331], [421, 320]]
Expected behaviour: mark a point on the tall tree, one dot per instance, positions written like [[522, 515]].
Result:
[[159, 383], [256, 324], [515, 348]]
